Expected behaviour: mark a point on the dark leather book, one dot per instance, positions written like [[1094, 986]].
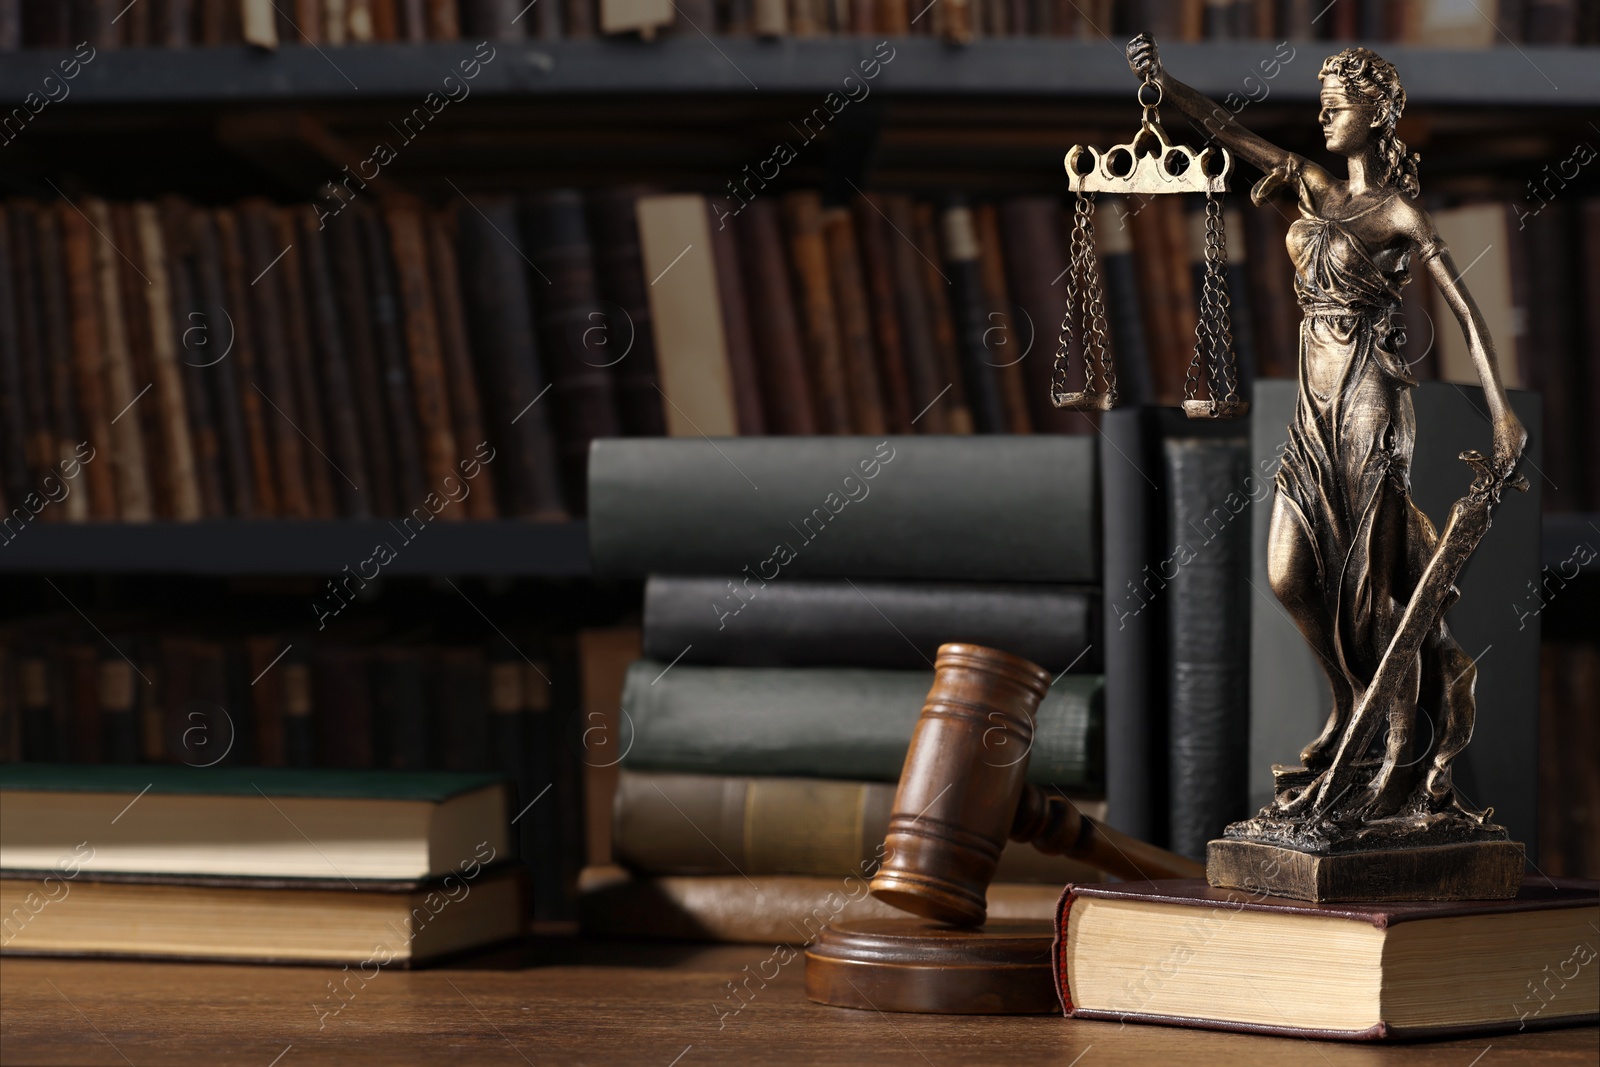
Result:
[[135, 498], [1552, 243], [979, 507], [246, 358], [94, 421], [343, 415], [42, 739], [495, 285], [565, 292], [96, 21], [117, 692], [443, 20], [385, 19], [389, 344], [1242, 299], [830, 722], [578, 19], [1552, 22], [413, 20], [25, 267], [495, 20], [219, 22], [695, 17], [971, 311], [47, 26], [941, 317], [1208, 640], [264, 655], [314, 417], [342, 693], [348, 261], [56, 335], [623, 286], [737, 330], [854, 324], [1591, 331], [406, 223], [1277, 314], [193, 351], [787, 401], [710, 824], [808, 253], [751, 623], [1169, 351], [466, 408], [401, 716], [1136, 751], [1378, 965], [172, 24], [930, 404], [170, 408], [462, 680], [299, 720], [17, 475], [1129, 347], [878, 264], [1006, 340], [285, 420], [1182, 295], [133, 290], [77, 698], [1036, 261]]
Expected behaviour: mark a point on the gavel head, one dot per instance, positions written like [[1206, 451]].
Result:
[[962, 779]]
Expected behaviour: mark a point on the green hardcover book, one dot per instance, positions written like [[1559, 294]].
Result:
[[245, 822], [832, 723]]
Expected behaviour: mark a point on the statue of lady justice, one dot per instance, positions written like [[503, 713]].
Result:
[[1349, 552]]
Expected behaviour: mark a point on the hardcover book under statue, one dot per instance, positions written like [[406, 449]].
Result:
[[1351, 557]]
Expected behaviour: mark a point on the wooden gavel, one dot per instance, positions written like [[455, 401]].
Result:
[[959, 801]]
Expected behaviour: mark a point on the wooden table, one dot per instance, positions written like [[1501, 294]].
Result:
[[563, 1001]]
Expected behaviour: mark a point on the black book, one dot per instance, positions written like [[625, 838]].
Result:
[[744, 621], [990, 508], [1208, 638], [972, 319]]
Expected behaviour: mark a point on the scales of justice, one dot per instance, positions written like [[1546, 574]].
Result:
[[1360, 569]]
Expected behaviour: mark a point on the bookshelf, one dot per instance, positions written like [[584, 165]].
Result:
[[628, 70]]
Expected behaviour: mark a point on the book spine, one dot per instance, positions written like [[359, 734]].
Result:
[[809, 253], [354, 303], [929, 387], [39, 447], [1208, 634], [299, 723], [1124, 307], [946, 338], [744, 621], [736, 328], [87, 373], [177, 235], [854, 323], [787, 401], [872, 225], [623, 284], [831, 723], [399, 403], [178, 445], [241, 382], [978, 507], [463, 700], [16, 477], [320, 469], [135, 501], [466, 407], [493, 19], [1005, 340]]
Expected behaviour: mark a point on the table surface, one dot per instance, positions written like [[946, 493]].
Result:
[[557, 1001]]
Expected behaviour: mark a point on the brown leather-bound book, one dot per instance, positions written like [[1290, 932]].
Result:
[[389, 343], [578, 19], [564, 290], [16, 477], [1180, 282], [191, 352], [736, 328], [342, 694], [56, 330], [88, 374], [878, 263], [494, 281], [173, 24], [385, 19], [466, 409], [168, 399], [444, 22], [348, 262], [806, 19], [1036, 261], [345, 413], [413, 20], [930, 397], [855, 324], [624, 285], [1010, 342], [971, 314], [273, 386], [408, 242], [785, 390], [134, 499], [134, 283], [314, 416], [495, 20], [220, 22], [692, 347], [808, 252], [1149, 250], [212, 339], [246, 360], [1377, 966], [39, 436], [894, 17], [97, 22], [958, 415], [78, 699], [306, 25], [1277, 313]]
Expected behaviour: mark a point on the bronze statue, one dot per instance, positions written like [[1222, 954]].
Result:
[[1354, 561]]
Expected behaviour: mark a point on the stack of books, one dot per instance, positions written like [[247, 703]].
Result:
[[374, 868], [798, 591]]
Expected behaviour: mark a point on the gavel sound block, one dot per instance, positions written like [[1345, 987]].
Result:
[[963, 792]]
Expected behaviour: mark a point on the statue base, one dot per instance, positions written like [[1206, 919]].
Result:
[[1466, 870]]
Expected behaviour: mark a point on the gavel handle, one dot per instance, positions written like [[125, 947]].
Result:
[[1053, 826]]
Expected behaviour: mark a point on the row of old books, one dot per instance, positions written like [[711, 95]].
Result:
[[788, 647], [181, 23], [384, 357], [370, 869], [163, 694]]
